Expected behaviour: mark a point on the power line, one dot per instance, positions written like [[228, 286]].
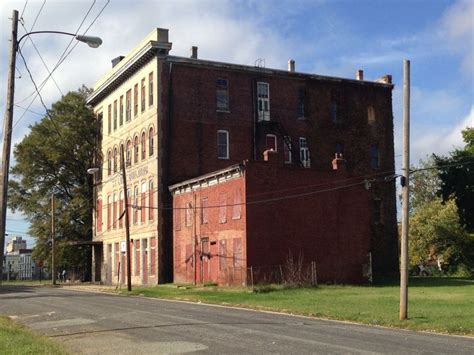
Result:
[[439, 167], [24, 8]]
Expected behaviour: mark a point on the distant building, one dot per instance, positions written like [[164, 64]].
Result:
[[15, 244], [182, 118]]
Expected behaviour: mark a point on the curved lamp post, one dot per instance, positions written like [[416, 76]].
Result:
[[91, 41]]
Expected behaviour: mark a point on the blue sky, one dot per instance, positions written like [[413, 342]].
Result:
[[324, 37]]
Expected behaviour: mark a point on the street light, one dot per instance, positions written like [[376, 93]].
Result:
[[91, 41]]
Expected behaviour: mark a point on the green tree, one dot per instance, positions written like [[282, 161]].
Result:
[[457, 178], [424, 184], [436, 235], [54, 158]]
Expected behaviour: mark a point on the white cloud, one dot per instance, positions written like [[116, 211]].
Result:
[[457, 27]]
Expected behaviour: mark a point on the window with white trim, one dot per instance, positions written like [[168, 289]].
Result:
[[287, 149], [222, 144], [222, 95], [263, 101], [271, 142], [304, 153]]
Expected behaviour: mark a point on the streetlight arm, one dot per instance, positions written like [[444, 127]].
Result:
[[91, 41]]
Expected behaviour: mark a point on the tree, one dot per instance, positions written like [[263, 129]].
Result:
[[457, 178], [54, 158], [438, 238], [424, 184]]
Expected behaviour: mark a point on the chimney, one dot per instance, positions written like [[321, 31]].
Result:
[[269, 155], [359, 74], [339, 163], [194, 52], [117, 60], [291, 65], [387, 79], [162, 35]]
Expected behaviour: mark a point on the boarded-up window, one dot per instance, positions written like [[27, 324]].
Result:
[[153, 255], [137, 258], [222, 255], [204, 210], [237, 205], [117, 259], [189, 214], [189, 258], [222, 208], [238, 262]]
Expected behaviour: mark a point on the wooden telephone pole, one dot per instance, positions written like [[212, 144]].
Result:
[[405, 193], [127, 221]]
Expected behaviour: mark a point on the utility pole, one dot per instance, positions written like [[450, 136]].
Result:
[[127, 220], [53, 232], [7, 136], [405, 192]]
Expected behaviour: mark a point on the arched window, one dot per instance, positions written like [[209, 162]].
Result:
[[150, 201], [151, 143], [129, 153], [121, 151], [115, 159], [135, 149], [143, 144], [109, 162]]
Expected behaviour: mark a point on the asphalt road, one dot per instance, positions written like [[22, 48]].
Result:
[[96, 323]]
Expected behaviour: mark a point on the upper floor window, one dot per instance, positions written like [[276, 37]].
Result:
[[222, 207], [339, 148], [150, 89], [128, 106], [129, 153], [334, 112], [135, 100], [143, 146], [121, 111], [189, 215], [222, 95], [115, 115], [109, 119], [304, 153], [287, 149], [271, 142], [301, 100], [151, 144], [370, 115], [115, 160], [143, 99], [237, 205], [222, 144], [204, 210], [374, 156], [263, 101], [136, 149]]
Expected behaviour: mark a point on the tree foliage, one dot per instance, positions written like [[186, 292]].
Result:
[[424, 184], [54, 158], [457, 178], [437, 237]]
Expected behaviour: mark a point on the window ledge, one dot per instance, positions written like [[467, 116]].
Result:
[[302, 118], [223, 111], [220, 158]]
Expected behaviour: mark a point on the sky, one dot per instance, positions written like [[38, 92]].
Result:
[[326, 37]]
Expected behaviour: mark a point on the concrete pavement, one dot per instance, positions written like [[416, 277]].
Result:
[[99, 323]]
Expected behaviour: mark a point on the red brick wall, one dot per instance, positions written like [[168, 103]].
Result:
[[214, 266], [329, 223], [191, 122]]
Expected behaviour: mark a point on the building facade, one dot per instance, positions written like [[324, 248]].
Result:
[[179, 118], [264, 221]]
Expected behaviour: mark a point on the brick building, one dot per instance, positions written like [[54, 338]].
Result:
[[179, 118], [251, 218]]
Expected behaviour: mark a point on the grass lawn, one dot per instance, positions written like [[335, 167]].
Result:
[[435, 304], [15, 339]]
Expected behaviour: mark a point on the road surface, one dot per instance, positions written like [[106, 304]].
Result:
[[99, 323]]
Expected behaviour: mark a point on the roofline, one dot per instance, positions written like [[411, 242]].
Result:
[[269, 71], [154, 48], [200, 179]]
